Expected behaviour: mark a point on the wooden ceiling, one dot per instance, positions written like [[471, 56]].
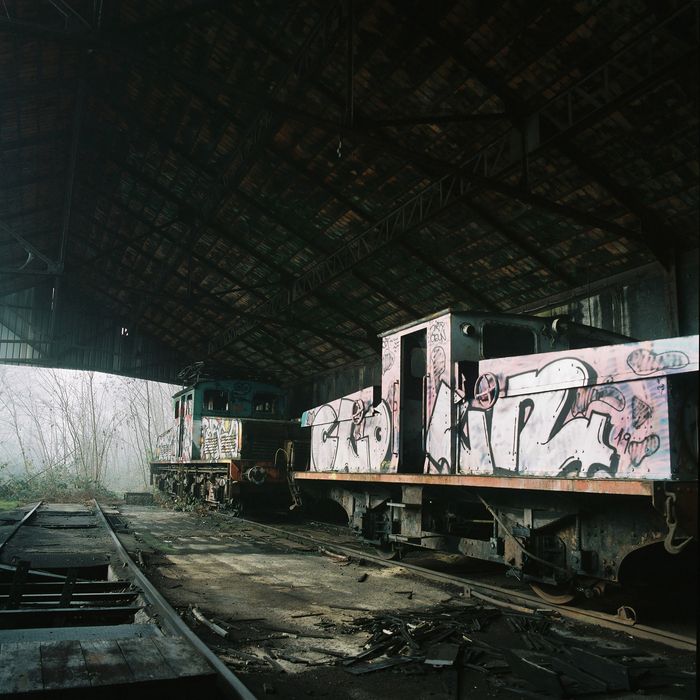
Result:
[[266, 185]]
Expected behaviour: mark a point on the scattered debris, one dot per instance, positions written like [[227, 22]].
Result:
[[442, 654], [549, 664], [274, 665], [339, 558], [216, 629]]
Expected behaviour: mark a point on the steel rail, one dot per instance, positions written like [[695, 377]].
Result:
[[506, 597], [230, 684], [27, 516]]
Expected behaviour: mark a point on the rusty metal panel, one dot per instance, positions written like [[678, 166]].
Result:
[[626, 487]]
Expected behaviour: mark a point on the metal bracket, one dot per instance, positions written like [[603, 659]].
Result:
[[672, 524]]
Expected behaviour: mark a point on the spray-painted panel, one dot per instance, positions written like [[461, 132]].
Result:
[[350, 434], [166, 445], [590, 366], [595, 413], [221, 438]]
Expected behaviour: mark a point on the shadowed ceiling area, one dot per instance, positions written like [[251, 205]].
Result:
[[264, 186]]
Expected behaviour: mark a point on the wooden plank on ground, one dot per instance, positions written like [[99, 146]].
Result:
[[20, 667], [64, 634], [145, 660], [63, 665], [182, 658], [105, 662]]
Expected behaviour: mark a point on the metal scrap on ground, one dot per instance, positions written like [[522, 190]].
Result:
[[543, 661]]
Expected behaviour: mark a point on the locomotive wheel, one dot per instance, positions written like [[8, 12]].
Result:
[[555, 595], [387, 551]]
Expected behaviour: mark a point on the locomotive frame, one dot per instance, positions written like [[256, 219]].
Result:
[[554, 448]]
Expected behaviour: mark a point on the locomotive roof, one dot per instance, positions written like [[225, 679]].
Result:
[[464, 310], [266, 186]]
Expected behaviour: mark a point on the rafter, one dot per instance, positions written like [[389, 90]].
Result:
[[223, 309]]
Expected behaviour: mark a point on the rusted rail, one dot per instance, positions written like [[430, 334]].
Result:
[[27, 517], [505, 597]]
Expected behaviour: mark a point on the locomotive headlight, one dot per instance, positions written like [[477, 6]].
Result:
[[467, 329], [256, 475]]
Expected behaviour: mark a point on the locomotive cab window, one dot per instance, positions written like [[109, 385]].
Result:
[[467, 374], [265, 404], [215, 400], [501, 340]]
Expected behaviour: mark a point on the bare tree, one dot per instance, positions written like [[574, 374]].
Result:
[[99, 428], [148, 406]]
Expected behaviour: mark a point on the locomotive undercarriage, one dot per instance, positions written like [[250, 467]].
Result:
[[211, 484], [560, 543]]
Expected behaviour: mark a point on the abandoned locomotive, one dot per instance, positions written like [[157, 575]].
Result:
[[229, 440], [541, 444]]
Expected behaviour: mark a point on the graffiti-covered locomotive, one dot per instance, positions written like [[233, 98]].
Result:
[[551, 447], [228, 438]]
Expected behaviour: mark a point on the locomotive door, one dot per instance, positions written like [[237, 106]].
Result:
[[180, 425], [413, 403], [184, 428]]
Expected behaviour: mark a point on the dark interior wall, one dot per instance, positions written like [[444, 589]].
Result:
[[687, 281], [80, 335], [333, 384], [651, 302]]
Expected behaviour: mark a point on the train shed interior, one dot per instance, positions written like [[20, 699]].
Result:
[[256, 193], [258, 189]]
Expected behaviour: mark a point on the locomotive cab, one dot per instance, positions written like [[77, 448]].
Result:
[[226, 436], [433, 390]]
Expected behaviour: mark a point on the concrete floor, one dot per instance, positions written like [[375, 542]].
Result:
[[282, 599]]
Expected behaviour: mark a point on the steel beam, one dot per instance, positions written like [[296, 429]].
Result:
[[323, 334], [236, 165], [68, 195], [52, 266]]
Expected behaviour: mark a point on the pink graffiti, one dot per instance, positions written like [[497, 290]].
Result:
[[642, 361]]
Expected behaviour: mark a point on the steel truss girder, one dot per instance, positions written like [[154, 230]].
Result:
[[568, 110], [416, 212], [324, 334], [236, 165], [53, 267], [219, 307]]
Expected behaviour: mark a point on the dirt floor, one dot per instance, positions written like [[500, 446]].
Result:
[[297, 619]]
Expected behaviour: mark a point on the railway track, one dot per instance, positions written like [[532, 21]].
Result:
[[230, 684], [67, 615], [624, 621]]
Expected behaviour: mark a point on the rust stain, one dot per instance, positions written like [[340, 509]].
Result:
[[626, 487]]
